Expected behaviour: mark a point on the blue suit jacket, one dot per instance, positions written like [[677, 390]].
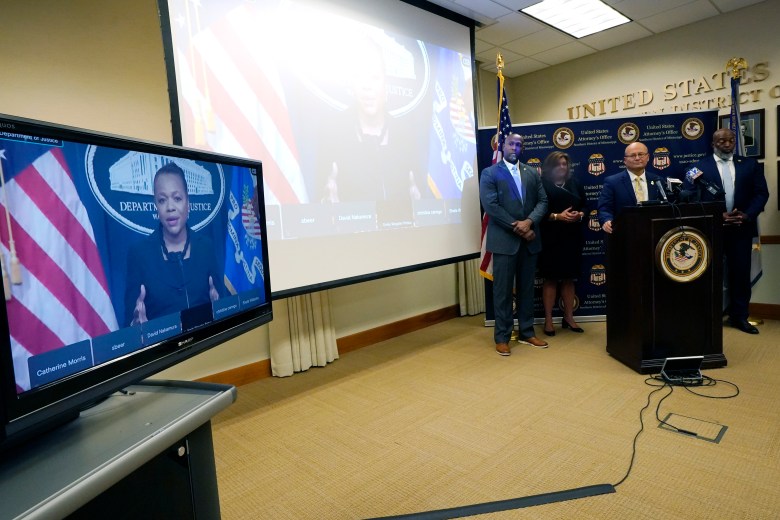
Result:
[[750, 189], [618, 192], [501, 201]]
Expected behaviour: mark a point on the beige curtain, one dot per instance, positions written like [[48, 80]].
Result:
[[303, 336], [471, 288]]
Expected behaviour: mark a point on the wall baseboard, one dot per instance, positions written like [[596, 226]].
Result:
[[262, 369], [768, 311], [395, 329], [241, 375]]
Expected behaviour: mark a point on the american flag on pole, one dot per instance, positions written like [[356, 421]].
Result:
[[233, 96], [735, 123], [63, 297], [503, 128]]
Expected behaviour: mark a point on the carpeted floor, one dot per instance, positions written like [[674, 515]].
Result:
[[436, 419]]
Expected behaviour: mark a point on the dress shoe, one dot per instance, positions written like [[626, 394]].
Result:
[[533, 341], [744, 326], [549, 332], [503, 349], [566, 325]]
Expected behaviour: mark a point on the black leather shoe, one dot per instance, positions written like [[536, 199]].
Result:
[[566, 325], [744, 326]]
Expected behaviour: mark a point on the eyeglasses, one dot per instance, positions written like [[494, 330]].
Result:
[[636, 155]]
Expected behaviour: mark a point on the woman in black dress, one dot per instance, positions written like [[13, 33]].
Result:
[[562, 239]]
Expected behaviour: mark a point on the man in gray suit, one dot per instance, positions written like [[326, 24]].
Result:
[[515, 201]]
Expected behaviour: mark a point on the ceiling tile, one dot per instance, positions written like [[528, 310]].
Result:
[[543, 40], [522, 66], [725, 6], [480, 46], [616, 36], [490, 55], [485, 7], [509, 27], [636, 9], [569, 51], [516, 5], [680, 16]]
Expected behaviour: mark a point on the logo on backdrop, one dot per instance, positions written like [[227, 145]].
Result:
[[661, 158], [593, 221], [596, 164], [598, 274], [692, 128], [563, 138], [628, 133], [576, 303], [123, 184], [536, 164]]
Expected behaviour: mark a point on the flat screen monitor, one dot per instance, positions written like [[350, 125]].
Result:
[[119, 258]]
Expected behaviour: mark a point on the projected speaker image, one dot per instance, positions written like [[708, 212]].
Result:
[[364, 120]]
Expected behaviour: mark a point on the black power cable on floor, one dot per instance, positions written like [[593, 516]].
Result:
[[705, 382]]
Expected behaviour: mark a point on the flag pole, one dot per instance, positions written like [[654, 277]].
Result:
[[500, 73], [735, 67]]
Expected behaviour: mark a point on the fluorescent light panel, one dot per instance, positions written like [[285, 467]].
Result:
[[576, 17]]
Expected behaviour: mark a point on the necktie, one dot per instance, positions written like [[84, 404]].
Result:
[[728, 183], [638, 190], [518, 182]]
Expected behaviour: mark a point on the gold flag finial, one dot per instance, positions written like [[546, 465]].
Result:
[[499, 62], [735, 66]]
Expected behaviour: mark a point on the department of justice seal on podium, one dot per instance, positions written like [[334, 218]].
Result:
[[683, 254]]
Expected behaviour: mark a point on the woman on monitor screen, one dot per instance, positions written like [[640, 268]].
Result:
[[173, 268]]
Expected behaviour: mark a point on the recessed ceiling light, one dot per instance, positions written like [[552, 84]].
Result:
[[576, 17]]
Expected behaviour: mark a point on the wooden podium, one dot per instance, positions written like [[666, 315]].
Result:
[[652, 315]]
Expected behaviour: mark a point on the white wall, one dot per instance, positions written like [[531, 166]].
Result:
[[658, 64], [99, 64]]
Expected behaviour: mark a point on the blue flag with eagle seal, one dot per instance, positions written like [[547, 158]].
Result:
[[243, 243]]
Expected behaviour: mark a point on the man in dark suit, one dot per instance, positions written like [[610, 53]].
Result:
[[629, 187], [513, 197], [745, 193]]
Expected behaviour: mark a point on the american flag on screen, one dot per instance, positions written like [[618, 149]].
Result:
[[234, 100], [63, 296], [503, 128]]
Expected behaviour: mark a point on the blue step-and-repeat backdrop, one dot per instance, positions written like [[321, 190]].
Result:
[[596, 148]]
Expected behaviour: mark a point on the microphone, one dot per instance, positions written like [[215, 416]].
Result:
[[694, 176], [661, 190], [673, 186]]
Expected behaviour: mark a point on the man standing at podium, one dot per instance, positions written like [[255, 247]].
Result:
[[627, 188], [741, 184], [515, 201]]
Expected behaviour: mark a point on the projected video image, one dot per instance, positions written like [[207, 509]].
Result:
[[114, 250], [360, 128]]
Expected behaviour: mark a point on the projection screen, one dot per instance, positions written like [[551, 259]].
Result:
[[362, 113]]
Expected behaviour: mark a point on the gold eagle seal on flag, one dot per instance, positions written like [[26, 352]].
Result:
[[683, 254]]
